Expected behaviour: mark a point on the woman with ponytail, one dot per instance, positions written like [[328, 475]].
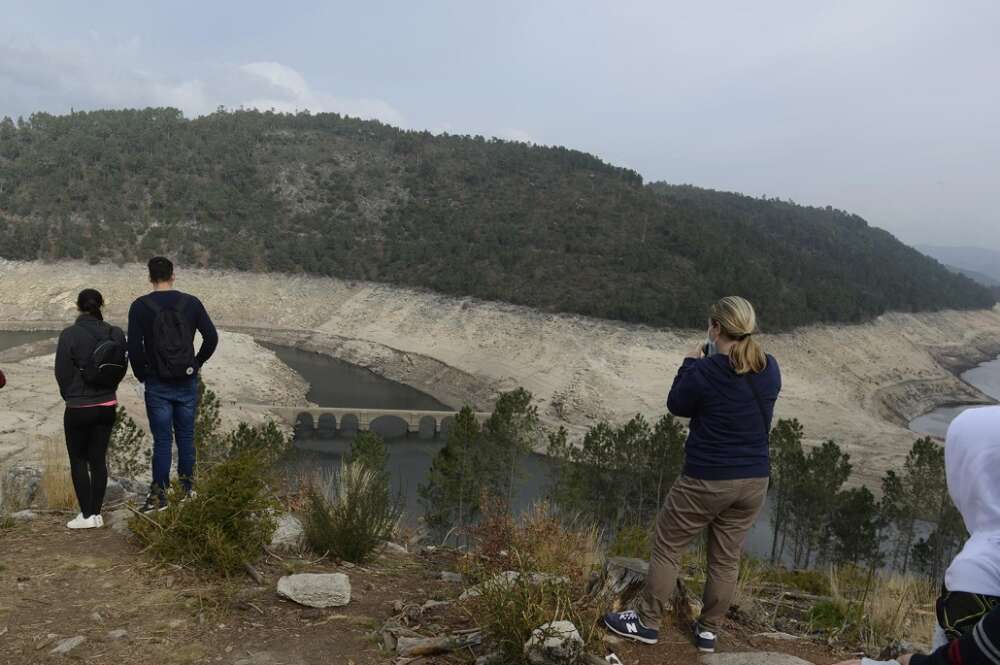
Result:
[[90, 362], [728, 388]]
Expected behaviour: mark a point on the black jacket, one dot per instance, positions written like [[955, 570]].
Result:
[[980, 647], [76, 344]]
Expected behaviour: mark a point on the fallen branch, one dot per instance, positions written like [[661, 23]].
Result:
[[254, 573], [429, 646]]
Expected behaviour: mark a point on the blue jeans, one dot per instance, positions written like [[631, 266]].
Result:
[[171, 408]]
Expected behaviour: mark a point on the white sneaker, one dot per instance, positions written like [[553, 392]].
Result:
[[81, 522], [99, 521]]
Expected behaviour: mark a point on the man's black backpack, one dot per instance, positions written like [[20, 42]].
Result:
[[171, 354], [107, 363]]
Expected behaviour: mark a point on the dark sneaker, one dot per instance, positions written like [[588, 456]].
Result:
[[627, 624], [156, 500], [704, 639]]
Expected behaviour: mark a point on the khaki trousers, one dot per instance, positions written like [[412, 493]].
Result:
[[727, 508]]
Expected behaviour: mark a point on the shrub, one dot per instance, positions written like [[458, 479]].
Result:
[[222, 528], [268, 440], [369, 449], [539, 542], [508, 613], [349, 515], [128, 455], [56, 483]]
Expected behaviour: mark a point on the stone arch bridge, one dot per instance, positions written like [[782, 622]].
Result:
[[325, 422]]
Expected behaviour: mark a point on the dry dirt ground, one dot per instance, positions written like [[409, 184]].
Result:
[[57, 584]]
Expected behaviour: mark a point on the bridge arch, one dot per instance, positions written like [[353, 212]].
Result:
[[326, 427], [389, 427], [446, 424], [305, 426], [349, 424], [427, 428]]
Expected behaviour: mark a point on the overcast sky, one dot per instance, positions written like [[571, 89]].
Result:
[[888, 109]]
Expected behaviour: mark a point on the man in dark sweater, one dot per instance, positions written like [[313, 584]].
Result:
[[161, 328]]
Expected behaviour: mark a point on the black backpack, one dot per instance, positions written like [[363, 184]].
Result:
[[107, 363], [171, 354]]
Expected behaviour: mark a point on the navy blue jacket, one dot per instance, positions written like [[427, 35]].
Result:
[[140, 330], [727, 436]]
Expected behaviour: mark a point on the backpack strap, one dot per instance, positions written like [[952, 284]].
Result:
[[178, 306], [151, 303], [760, 405]]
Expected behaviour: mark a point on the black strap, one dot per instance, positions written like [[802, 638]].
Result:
[[760, 405], [151, 303]]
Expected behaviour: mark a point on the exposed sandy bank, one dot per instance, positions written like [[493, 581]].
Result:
[[855, 384]]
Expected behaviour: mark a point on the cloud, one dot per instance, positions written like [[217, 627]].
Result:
[[289, 91], [96, 74]]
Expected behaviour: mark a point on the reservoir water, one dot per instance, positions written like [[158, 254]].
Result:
[[9, 339], [985, 377]]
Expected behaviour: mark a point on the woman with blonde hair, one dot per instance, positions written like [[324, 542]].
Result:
[[728, 388]]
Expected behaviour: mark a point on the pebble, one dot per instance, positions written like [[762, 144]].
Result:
[[68, 644], [118, 634]]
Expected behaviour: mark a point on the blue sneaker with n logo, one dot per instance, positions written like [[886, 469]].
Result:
[[704, 639], [627, 624]]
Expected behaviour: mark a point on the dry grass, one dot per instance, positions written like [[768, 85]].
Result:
[[877, 612], [56, 483]]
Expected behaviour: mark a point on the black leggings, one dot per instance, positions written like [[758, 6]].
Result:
[[88, 431]]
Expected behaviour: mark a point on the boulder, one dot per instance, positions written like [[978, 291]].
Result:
[[316, 589], [290, 535], [23, 516], [448, 576], [554, 643], [19, 487], [118, 521]]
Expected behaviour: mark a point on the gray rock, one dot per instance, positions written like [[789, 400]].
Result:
[[449, 576], [24, 516], [752, 658], [118, 521], [118, 634], [19, 487], [555, 643], [316, 589], [507, 580], [63, 647], [290, 535], [395, 548]]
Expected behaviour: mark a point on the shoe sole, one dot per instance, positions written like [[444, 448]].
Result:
[[81, 528], [644, 640], [704, 650]]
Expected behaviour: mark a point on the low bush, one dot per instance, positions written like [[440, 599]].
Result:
[[816, 582], [267, 440], [224, 527], [349, 515], [369, 449], [128, 455], [539, 542]]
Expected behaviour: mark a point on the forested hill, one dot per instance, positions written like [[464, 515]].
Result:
[[550, 228]]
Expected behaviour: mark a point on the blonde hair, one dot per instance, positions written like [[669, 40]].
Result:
[[738, 322]]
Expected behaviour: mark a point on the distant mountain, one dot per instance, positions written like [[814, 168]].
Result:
[[978, 263], [546, 227]]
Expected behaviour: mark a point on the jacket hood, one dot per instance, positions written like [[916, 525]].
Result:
[[972, 462]]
